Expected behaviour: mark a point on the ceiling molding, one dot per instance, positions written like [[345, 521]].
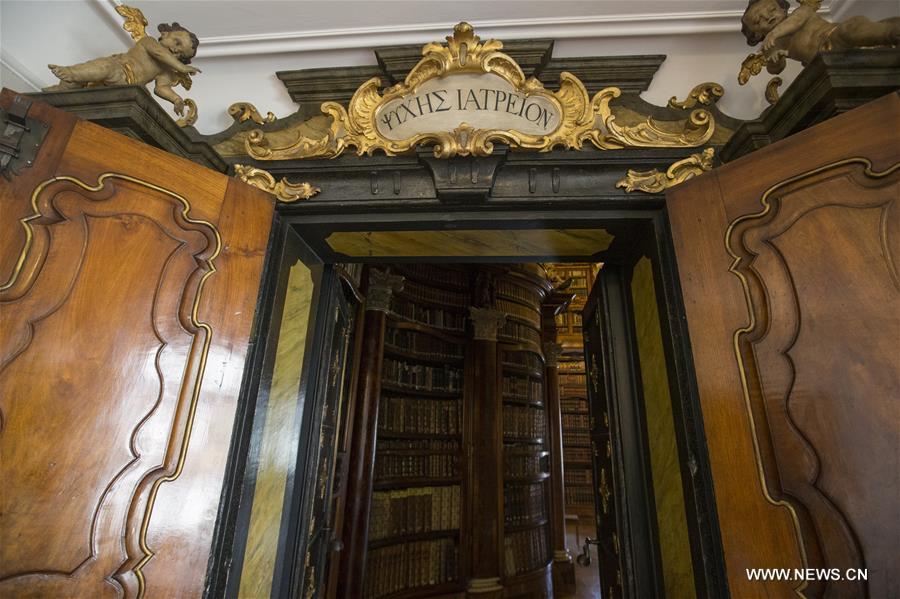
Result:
[[559, 28], [18, 69], [593, 26]]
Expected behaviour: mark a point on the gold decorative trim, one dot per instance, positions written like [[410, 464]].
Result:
[[581, 118], [604, 491], [195, 321], [245, 111], [653, 181], [704, 93], [135, 21], [284, 190], [752, 65], [751, 325], [772, 89], [191, 117]]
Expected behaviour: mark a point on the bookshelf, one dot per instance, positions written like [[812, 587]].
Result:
[[578, 477], [460, 480], [576, 425], [418, 486], [526, 491]]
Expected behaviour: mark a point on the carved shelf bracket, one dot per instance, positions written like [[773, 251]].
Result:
[[552, 353], [284, 190], [486, 322], [382, 286], [653, 181]]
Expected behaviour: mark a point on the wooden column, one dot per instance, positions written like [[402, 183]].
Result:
[[563, 567], [485, 457], [381, 286]]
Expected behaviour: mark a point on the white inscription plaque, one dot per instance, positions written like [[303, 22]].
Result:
[[484, 101]]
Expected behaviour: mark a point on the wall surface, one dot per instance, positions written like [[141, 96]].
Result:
[[243, 44]]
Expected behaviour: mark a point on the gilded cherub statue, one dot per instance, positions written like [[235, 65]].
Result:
[[802, 34], [165, 61]]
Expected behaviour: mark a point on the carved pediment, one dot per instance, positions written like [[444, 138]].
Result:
[[466, 95]]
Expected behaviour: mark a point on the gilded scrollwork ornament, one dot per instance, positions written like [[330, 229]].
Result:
[[654, 181], [284, 190], [772, 89], [707, 93], [454, 99], [245, 111], [191, 117]]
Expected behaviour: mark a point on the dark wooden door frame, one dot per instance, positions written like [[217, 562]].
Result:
[[644, 217], [612, 346]]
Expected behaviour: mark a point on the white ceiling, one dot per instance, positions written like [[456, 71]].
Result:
[[243, 43]]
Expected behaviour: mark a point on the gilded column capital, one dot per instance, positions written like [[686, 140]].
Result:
[[552, 353], [487, 322], [382, 286]]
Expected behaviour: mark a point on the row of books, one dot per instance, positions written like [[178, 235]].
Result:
[[577, 476], [526, 550], [408, 415], [516, 309], [421, 377], [575, 380], [518, 332], [579, 495], [523, 504], [524, 388], [575, 454], [423, 445], [435, 317], [417, 292], [429, 465], [524, 294], [574, 405], [413, 510], [525, 359], [574, 438], [445, 275], [409, 565], [579, 421], [572, 366], [421, 344], [523, 422], [523, 464]]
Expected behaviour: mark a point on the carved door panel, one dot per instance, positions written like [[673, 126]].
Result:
[[789, 267], [130, 279]]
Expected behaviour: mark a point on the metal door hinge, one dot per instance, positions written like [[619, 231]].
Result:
[[21, 138]]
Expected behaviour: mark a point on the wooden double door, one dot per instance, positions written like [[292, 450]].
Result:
[[130, 283]]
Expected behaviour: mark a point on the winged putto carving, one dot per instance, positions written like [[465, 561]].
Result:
[[801, 34], [165, 61]]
